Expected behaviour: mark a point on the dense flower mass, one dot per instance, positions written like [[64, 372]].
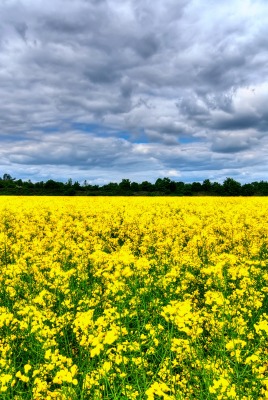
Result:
[[133, 298]]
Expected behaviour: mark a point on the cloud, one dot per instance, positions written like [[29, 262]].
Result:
[[235, 142], [167, 86]]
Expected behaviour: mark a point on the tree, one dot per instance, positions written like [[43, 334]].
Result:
[[206, 186], [172, 187], [146, 186], [263, 188], [180, 188], [124, 185], [8, 177], [217, 188], [196, 187], [187, 190], [163, 185], [111, 188], [134, 186], [53, 186], [231, 187], [247, 189], [76, 185]]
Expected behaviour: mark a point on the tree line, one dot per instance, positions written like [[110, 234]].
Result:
[[161, 187]]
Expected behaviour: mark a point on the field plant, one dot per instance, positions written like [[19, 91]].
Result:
[[133, 298]]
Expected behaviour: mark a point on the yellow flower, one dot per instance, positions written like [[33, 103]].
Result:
[[22, 377], [27, 368]]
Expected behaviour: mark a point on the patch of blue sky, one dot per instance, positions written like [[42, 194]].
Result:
[[104, 131], [188, 139], [90, 128], [139, 136], [50, 129], [100, 130], [10, 137]]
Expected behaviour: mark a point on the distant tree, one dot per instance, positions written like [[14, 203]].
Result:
[[8, 182], [231, 187], [247, 189], [172, 186], [180, 188], [163, 185], [263, 188], [216, 188], [146, 186], [76, 185], [124, 185], [39, 184], [255, 186], [70, 191], [134, 186], [8, 177], [19, 182], [206, 186], [196, 187], [53, 186], [111, 188], [187, 190]]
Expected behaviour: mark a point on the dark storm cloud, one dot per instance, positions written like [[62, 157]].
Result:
[[173, 87]]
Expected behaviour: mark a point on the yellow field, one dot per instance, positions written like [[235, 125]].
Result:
[[133, 298]]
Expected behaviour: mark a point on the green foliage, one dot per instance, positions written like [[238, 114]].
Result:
[[161, 187]]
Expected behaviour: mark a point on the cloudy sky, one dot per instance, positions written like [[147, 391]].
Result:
[[139, 89]]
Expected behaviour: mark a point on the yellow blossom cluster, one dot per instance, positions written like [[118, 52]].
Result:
[[133, 298]]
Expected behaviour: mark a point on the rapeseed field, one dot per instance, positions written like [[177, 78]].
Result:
[[133, 298]]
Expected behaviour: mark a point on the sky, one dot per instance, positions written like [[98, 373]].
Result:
[[105, 90]]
